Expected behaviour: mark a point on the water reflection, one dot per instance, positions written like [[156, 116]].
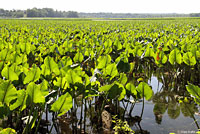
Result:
[[163, 114]]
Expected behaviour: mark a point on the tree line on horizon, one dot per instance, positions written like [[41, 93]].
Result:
[[50, 12], [36, 12]]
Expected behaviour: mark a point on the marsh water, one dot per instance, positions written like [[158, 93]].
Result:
[[163, 114]]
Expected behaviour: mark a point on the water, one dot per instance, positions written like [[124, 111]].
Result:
[[162, 114], [167, 122]]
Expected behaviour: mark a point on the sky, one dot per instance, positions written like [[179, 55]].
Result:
[[114, 6]]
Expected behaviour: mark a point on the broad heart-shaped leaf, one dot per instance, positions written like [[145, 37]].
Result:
[[34, 93], [194, 91], [117, 91], [118, 44], [73, 77], [8, 131], [114, 90], [103, 61], [111, 70], [50, 66], [144, 88], [123, 79], [21, 99], [189, 59], [7, 92], [9, 73], [131, 88], [63, 104], [123, 66], [33, 75], [78, 57], [149, 52], [44, 88], [175, 57], [61, 82]]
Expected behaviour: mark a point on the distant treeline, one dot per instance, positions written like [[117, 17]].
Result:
[[49, 12], [130, 15], [36, 12]]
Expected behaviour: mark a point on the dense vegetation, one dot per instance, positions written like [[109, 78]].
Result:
[[36, 12], [55, 67]]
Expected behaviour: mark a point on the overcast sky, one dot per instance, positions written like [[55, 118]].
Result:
[[115, 6]]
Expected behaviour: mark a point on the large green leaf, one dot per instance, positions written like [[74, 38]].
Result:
[[8, 131], [44, 87], [61, 82], [189, 59], [72, 77], [123, 79], [111, 70], [114, 90], [21, 100], [103, 61], [175, 57], [194, 91], [78, 57], [34, 93], [118, 44], [149, 52], [50, 66], [63, 104], [7, 92], [131, 88], [33, 75], [9, 73], [144, 88]]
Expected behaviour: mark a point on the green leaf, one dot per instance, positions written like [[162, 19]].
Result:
[[61, 82], [131, 88], [105, 88], [103, 61], [118, 44], [73, 77], [113, 91], [63, 104], [123, 66], [144, 88], [50, 66], [123, 79], [149, 52], [175, 57], [194, 91], [78, 57], [44, 88], [189, 59], [8, 131], [111, 70], [21, 94], [7, 92], [9, 73], [33, 75], [117, 91], [34, 93]]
